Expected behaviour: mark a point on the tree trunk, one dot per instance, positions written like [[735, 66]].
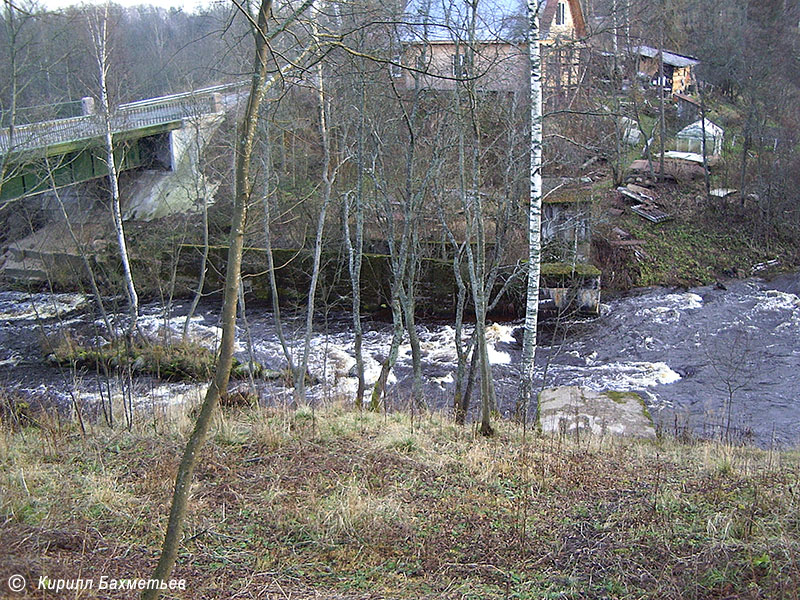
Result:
[[183, 479], [100, 35], [379, 389], [662, 123], [200, 190], [273, 282], [534, 217], [355, 253], [327, 186], [706, 175]]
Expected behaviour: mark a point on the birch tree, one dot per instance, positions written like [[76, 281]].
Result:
[[100, 39], [534, 216]]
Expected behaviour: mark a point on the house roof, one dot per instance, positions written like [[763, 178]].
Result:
[[496, 20], [670, 58], [548, 16]]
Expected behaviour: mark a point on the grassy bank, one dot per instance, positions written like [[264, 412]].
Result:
[[702, 243], [337, 504]]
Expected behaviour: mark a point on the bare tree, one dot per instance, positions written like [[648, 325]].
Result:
[[328, 177], [100, 38], [355, 248], [735, 360], [243, 190]]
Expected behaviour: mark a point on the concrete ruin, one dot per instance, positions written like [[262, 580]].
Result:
[[572, 410]]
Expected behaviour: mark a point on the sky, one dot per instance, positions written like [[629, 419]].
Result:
[[187, 5]]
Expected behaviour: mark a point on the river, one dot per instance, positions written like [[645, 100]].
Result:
[[692, 355]]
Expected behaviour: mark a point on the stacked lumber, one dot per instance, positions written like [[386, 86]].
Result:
[[645, 203]]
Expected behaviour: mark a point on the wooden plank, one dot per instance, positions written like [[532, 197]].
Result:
[[631, 195], [627, 243], [642, 191], [651, 213]]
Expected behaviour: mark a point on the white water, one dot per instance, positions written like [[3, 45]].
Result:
[[668, 346], [21, 306]]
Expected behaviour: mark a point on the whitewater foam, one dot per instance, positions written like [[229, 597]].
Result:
[[620, 376], [20, 306]]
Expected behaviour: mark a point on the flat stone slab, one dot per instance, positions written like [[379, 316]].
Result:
[[571, 409]]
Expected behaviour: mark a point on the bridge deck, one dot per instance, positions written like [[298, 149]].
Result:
[[49, 135]]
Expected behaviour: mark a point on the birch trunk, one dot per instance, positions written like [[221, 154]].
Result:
[[100, 35], [534, 217]]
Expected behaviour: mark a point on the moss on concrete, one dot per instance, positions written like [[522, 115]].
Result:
[[563, 269]]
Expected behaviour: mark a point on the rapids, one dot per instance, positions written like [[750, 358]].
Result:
[[691, 354]]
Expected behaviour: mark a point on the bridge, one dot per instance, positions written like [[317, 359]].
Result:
[[39, 157]]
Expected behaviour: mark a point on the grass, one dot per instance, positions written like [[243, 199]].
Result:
[[333, 503], [173, 361], [698, 247]]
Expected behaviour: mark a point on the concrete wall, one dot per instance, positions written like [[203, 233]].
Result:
[[152, 194], [498, 66], [564, 287]]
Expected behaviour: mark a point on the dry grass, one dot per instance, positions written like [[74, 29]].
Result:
[[334, 503]]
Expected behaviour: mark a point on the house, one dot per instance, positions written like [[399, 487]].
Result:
[[678, 77], [441, 46]]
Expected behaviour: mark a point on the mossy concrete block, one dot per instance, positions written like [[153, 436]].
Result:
[[575, 410]]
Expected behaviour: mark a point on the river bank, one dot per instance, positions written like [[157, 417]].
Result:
[[344, 505], [704, 242]]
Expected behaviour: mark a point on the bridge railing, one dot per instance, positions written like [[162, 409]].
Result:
[[48, 133], [136, 116], [128, 117]]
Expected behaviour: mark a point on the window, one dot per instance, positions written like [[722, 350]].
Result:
[[396, 66], [460, 65], [561, 13]]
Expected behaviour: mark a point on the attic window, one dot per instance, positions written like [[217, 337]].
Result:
[[561, 14]]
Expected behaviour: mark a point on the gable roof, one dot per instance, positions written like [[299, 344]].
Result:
[[695, 130], [496, 20], [548, 16], [670, 58]]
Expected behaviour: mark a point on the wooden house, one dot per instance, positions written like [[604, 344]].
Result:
[[441, 47], [678, 76]]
